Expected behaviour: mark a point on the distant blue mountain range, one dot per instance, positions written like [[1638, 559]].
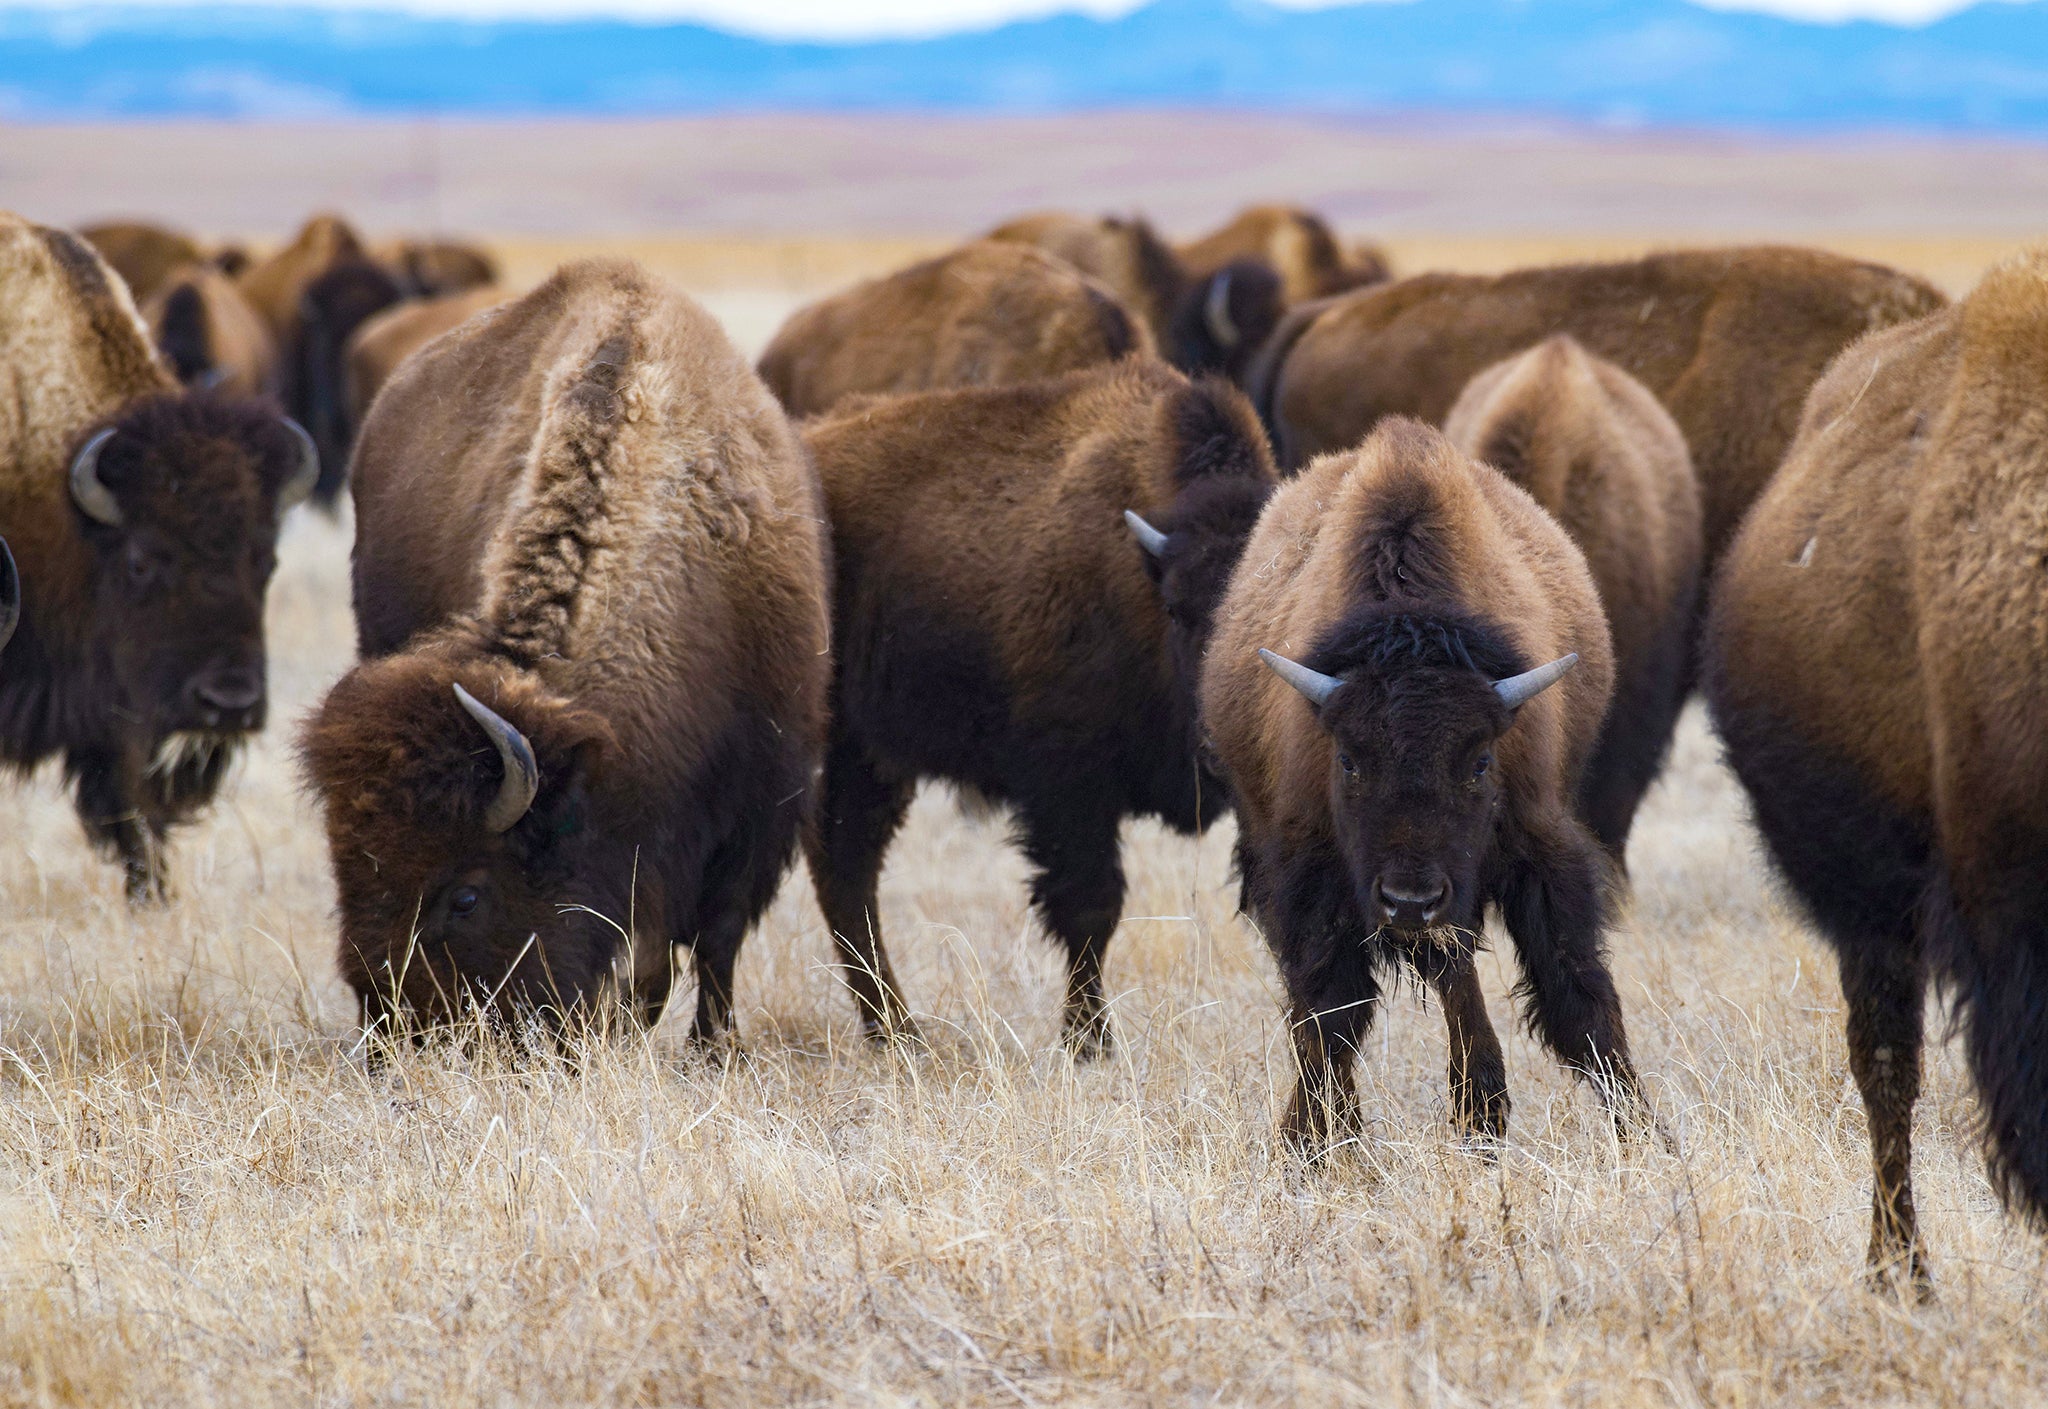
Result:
[[1619, 61]]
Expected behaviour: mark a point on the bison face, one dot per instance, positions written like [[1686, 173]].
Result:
[[1222, 321], [474, 871], [178, 501], [1414, 793]]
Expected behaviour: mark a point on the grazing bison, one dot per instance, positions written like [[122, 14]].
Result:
[[210, 335], [144, 255], [1729, 340], [1876, 647], [1591, 445], [436, 268], [144, 519], [590, 578], [998, 627], [1390, 691], [1216, 322], [377, 348], [1295, 244], [987, 314]]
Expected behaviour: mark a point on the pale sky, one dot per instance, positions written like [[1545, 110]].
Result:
[[839, 19]]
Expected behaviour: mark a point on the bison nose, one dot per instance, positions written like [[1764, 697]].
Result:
[[228, 696], [1410, 904]]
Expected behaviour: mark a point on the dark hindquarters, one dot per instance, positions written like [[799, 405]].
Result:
[[1552, 882], [1071, 839], [1859, 867], [858, 815]]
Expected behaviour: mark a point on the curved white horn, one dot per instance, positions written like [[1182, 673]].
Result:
[[1518, 690], [1216, 311], [94, 497], [295, 489], [1315, 686], [10, 594], [1149, 538], [522, 774]]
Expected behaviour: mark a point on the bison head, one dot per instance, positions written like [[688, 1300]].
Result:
[[178, 500], [473, 869], [1190, 549], [331, 309], [1222, 321], [1413, 709]]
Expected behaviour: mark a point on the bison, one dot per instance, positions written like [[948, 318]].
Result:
[[986, 314], [146, 256], [1296, 244], [999, 627], [1212, 323], [1405, 680], [590, 588], [433, 268], [1728, 339], [210, 335], [1591, 445], [1876, 643], [376, 349], [145, 519]]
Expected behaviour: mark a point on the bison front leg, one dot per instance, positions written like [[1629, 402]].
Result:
[[1885, 986], [110, 801], [1328, 1028], [1079, 892], [1478, 1073], [858, 816], [1554, 900]]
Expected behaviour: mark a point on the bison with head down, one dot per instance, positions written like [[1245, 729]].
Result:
[[145, 519], [1025, 578], [590, 592], [1877, 644], [1391, 690]]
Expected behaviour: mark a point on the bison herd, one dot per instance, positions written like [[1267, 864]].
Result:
[[1412, 575]]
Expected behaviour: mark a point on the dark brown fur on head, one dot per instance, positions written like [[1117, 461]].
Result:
[[437, 909]]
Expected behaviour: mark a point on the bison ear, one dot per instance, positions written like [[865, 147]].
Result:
[[562, 808]]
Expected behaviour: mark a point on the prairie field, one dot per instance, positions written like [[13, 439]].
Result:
[[210, 1197]]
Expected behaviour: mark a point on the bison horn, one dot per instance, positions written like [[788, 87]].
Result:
[[10, 594], [94, 497], [1315, 686], [522, 774], [1518, 690], [295, 489], [1149, 538], [1216, 312]]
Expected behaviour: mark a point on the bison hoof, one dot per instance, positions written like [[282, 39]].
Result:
[[900, 1031], [1893, 1270], [1089, 1040]]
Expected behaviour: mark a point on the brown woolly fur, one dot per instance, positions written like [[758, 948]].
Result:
[[1296, 243], [436, 268], [1591, 445], [1877, 645], [275, 285], [145, 256], [139, 657], [1000, 628], [987, 314], [585, 509], [1729, 339], [384, 341], [210, 335], [1376, 827]]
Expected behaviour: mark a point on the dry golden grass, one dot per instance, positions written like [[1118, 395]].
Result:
[[209, 1199]]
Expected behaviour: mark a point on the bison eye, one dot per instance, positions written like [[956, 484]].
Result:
[[1479, 769], [1345, 762], [464, 901]]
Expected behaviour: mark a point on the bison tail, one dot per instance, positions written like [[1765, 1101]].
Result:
[[1993, 966]]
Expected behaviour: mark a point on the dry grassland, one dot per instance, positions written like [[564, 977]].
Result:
[[208, 1198]]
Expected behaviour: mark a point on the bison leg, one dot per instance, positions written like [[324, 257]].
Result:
[[1079, 892], [1554, 900], [1327, 1033], [714, 962], [857, 819], [1885, 985], [1479, 1081], [108, 799]]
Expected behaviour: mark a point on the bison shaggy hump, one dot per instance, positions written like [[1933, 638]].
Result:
[[1876, 647], [987, 314], [1730, 340], [590, 578], [1593, 447], [1428, 609], [999, 627]]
